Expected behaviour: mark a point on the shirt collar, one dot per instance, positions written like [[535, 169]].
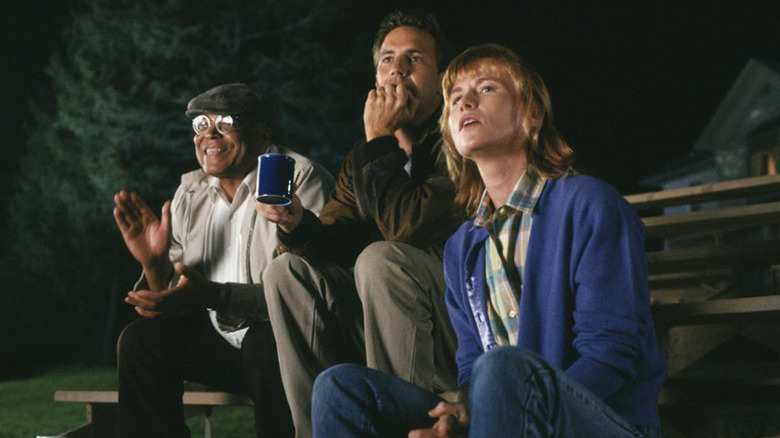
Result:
[[524, 197], [247, 187]]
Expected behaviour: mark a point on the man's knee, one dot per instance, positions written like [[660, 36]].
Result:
[[337, 379], [279, 273], [333, 375], [131, 340], [377, 256], [383, 263], [282, 267], [396, 271]]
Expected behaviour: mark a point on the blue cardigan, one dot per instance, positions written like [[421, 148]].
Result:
[[584, 303]]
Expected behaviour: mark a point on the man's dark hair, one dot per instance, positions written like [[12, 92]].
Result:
[[425, 22]]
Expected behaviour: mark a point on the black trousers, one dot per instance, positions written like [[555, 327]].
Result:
[[156, 355]]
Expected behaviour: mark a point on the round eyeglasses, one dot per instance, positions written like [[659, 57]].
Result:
[[224, 124]]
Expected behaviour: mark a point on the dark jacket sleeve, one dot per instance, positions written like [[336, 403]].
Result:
[[338, 234], [415, 209], [376, 199]]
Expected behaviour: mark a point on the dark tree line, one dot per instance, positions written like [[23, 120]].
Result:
[[112, 116]]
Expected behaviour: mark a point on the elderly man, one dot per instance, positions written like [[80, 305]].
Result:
[[369, 267], [201, 294]]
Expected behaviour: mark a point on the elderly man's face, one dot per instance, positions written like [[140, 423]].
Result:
[[228, 155]]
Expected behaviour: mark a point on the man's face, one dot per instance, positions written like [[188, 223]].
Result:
[[408, 55], [230, 155]]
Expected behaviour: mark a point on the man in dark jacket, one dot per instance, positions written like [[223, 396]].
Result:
[[364, 280]]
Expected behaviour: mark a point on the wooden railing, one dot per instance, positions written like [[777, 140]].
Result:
[[713, 275]]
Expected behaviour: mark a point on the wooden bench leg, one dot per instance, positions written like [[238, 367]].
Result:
[[207, 427], [195, 410]]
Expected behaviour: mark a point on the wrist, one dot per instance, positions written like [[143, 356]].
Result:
[[157, 266], [292, 224], [376, 133], [158, 274], [462, 395]]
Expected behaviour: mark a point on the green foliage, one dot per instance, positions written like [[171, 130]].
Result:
[[112, 118], [27, 407]]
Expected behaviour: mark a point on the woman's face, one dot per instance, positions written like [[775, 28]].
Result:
[[485, 114]]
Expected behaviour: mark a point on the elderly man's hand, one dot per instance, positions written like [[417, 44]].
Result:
[[147, 237], [192, 291]]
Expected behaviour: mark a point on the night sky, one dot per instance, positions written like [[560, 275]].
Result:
[[633, 83]]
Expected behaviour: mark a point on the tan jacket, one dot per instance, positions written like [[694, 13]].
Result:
[[190, 212]]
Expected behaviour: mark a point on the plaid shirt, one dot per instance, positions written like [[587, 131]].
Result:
[[509, 228]]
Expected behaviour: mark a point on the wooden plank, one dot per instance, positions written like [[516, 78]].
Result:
[[87, 396], [684, 345], [211, 398], [754, 310], [690, 278], [737, 255], [199, 398], [671, 296], [745, 187], [710, 220]]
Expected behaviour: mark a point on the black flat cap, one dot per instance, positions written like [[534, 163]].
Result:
[[237, 100]]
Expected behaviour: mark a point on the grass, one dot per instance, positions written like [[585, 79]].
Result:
[[28, 409]]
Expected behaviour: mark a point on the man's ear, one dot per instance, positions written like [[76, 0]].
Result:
[[262, 138], [266, 135]]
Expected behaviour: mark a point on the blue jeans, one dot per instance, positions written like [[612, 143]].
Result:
[[513, 392]]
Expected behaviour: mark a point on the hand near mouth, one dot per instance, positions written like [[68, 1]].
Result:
[[388, 109]]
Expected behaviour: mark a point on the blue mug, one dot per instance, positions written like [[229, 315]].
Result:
[[275, 179]]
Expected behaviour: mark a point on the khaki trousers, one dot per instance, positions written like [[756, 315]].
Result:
[[389, 315]]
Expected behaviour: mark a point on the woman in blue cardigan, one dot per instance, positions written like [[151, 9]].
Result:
[[546, 286]]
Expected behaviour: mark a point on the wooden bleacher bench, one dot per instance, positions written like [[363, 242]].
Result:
[[710, 268], [101, 408]]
